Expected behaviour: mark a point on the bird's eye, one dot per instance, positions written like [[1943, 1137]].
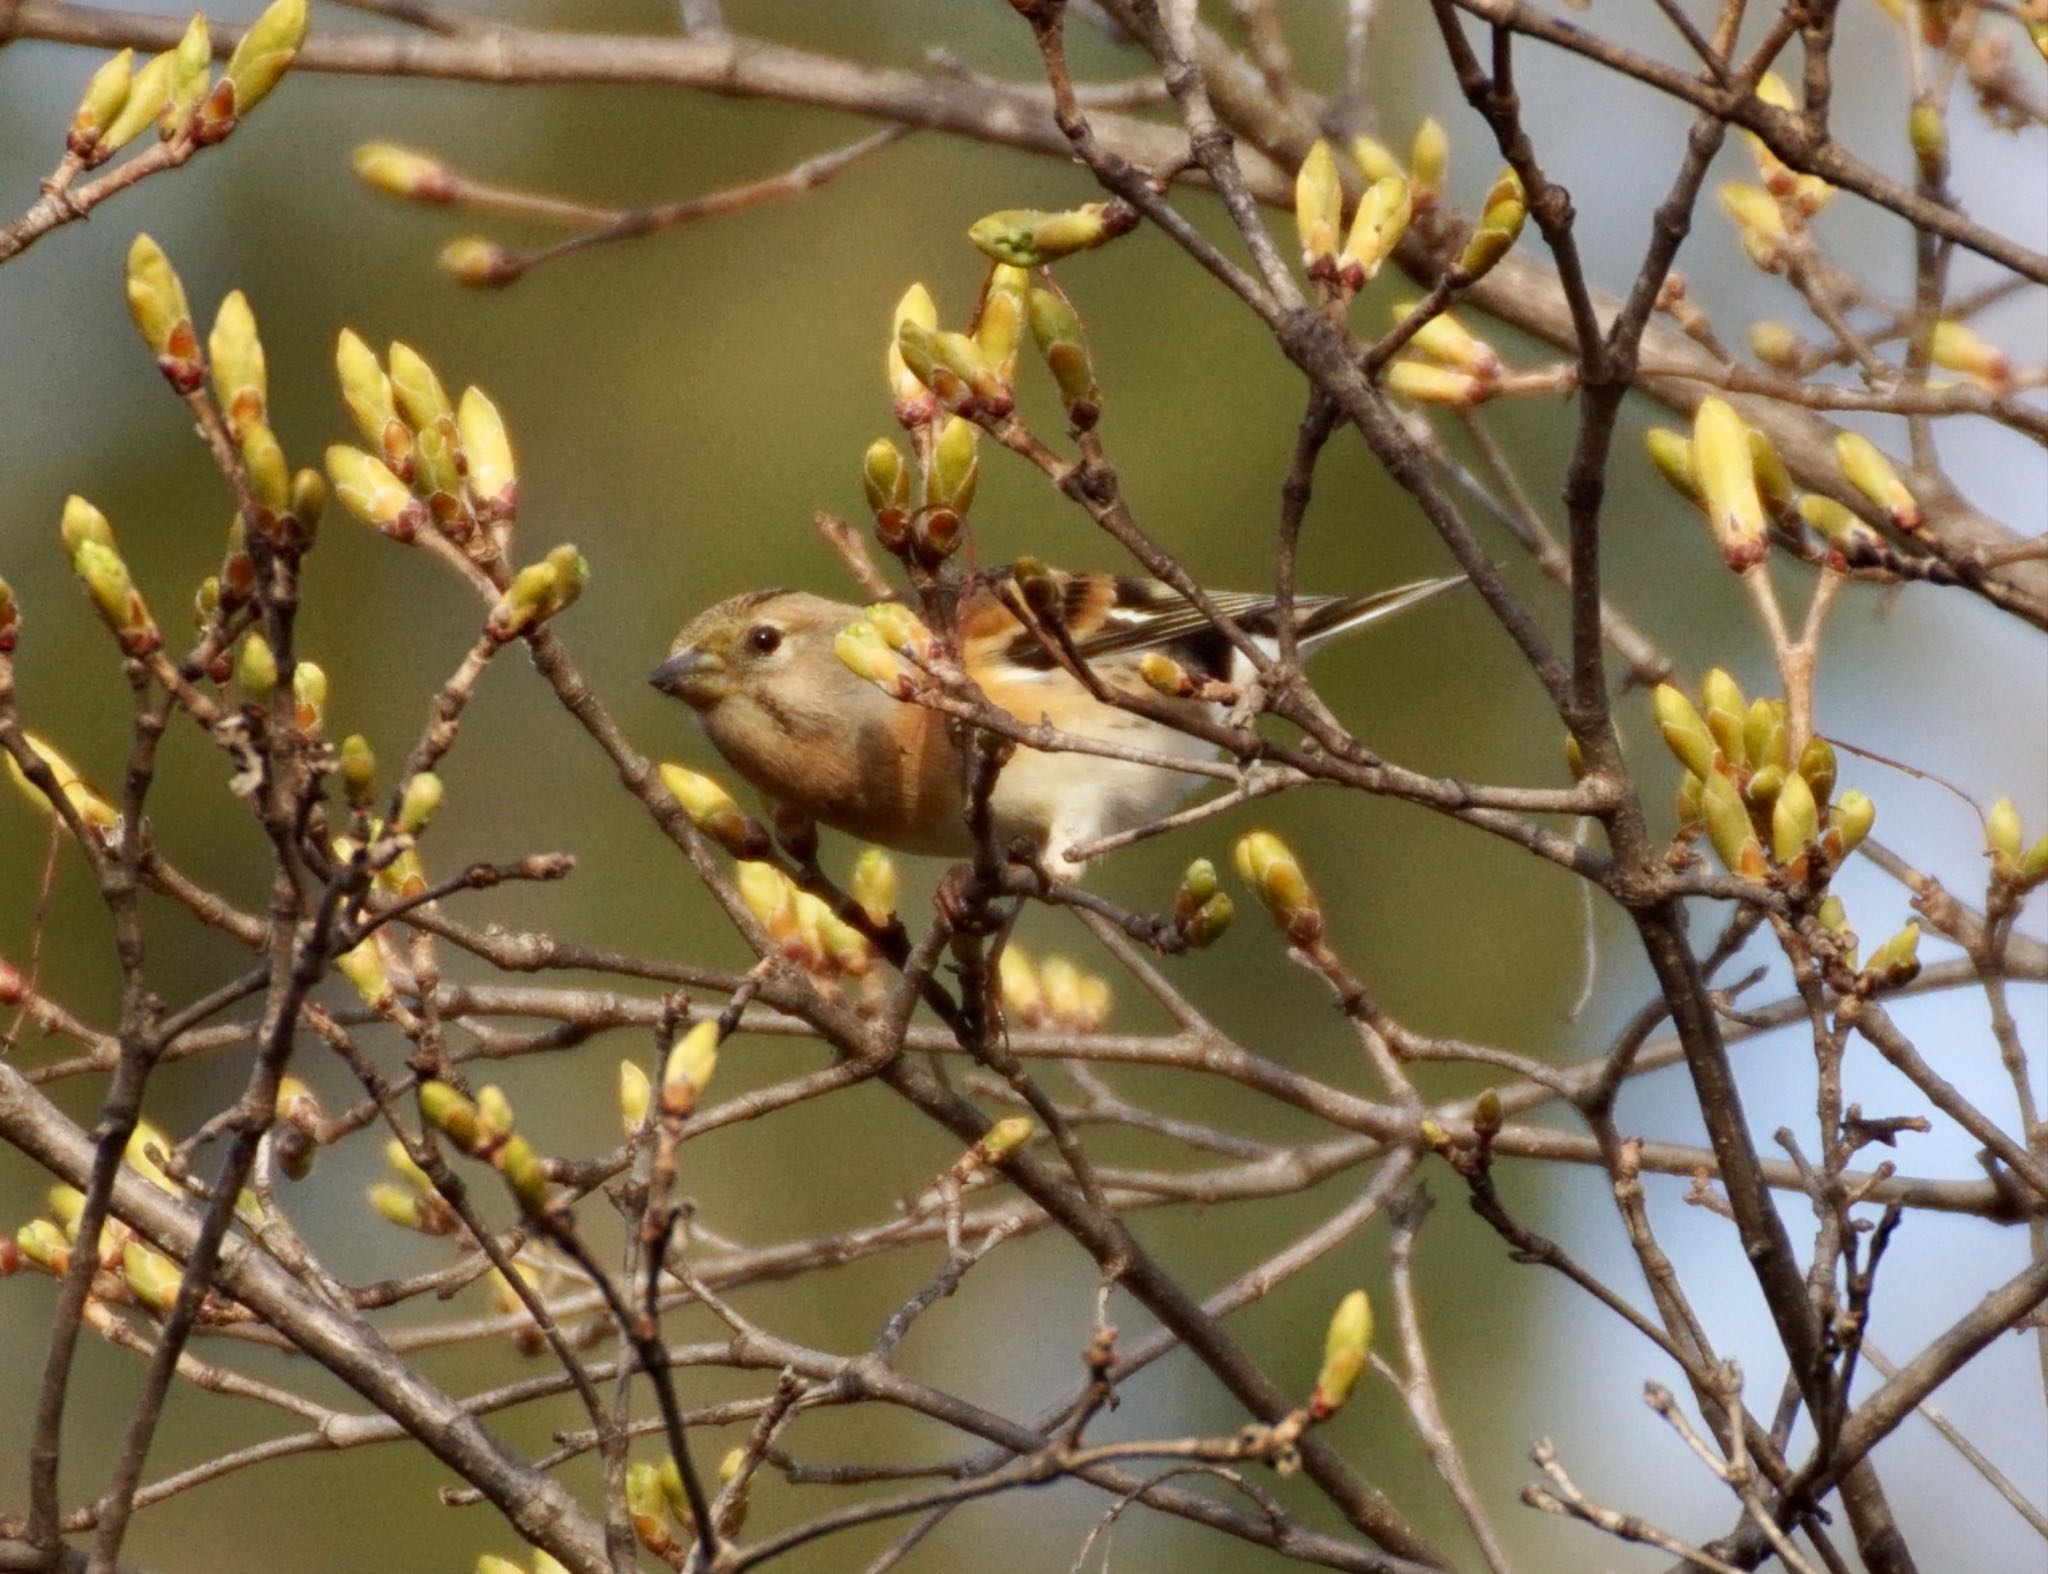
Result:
[[763, 638]]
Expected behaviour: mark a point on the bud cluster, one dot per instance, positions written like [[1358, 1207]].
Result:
[[484, 1128], [809, 933], [1766, 814], [1051, 993], [433, 460]]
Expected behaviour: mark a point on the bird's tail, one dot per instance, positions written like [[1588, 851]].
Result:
[[1319, 623]]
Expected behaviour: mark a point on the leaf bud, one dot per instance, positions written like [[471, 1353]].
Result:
[[647, 1509], [1728, 827], [104, 97], [422, 401], [265, 52], [256, 670], [366, 390], [712, 810], [1848, 536], [445, 1109], [914, 402], [1017, 982], [156, 300], [1776, 345], [874, 885], [1429, 154], [1817, 765], [687, 1071], [1849, 821], [1685, 734], [1960, 349], [1499, 227], [1270, 868], [525, 1172], [191, 72], [420, 802], [861, 649], [478, 262], [86, 801], [1210, 921], [152, 1278], [1671, 452], [235, 352], [1865, 467], [635, 1096], [1375, 159], [1376, 229], [1427, 384], [487, 451], [401, 172], [1721, 451], [2004, 838], [1319, 210], [1345, 1347], [999, 326], [1448, 342], [1029, 238], [369, 490], [80, 523], [1795, 820], [1056, 330], [263, 461], [1897, 961], [885, 479], [1765, 736], [363, 966], [358, 770]]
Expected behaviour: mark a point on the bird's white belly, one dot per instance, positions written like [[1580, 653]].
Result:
[[1060, 800]]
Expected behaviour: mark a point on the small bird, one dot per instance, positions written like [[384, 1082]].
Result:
[[761, 674]]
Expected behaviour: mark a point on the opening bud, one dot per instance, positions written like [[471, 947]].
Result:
[[266, 52], [1446, 341], [1795, 821], [1849, 821], [1499, 227], [487, 453], [104, 96], [1429, 155], [1376, 229], [1270, 868], [1671, 452], [914, 402], [1685, 734], [1029, 238], [148, 91], [369, 490]]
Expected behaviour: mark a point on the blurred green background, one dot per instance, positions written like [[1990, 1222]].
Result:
[[681, 405]]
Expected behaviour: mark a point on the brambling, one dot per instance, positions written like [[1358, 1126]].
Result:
[[776, 701]]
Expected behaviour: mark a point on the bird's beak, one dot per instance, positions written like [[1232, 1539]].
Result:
[[690, 675]]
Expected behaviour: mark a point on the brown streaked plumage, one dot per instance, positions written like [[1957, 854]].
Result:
[[761, 675]]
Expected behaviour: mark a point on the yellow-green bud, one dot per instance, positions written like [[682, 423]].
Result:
[[2034, 863], [152, 1278], [914, 402], [101, 105], [1817, 765], [647, 1508], [1345, 1347], [1499, 227], [1375, 159], [148, 91], [1161, 672], [366, 390], [1060, 982], [874, 885], [687, 1071], [80, 523], [1840, 528], [191, 71], [86, 802], [478, 262], [266, 52], [861, 649], [1004, 1138], [1029, 238], [1376, 229], [1735, 510], [270, 478], [901, 629], [1671, 453], [1773, 480], [770, 897], [1000, 325], [43, 1244], [495, 1117], [1209, 922], [1017, 982], [1270, 868], [1897, 961], [1927, 131], [1428, 156], [1056, 330], [396, 1205], [2004, 837], [256, 670], [1776, 345], [240, 382], [885, 479], [420, 802], [115, 597], [490, 1563], [369, 490], [1795, 820], [156, 300], [422, 401], [401, 172], [1685, 734], [447, 1111], [1960, 349], [635, 1096], [1319, 210], [1762, 787], [1765, 736], [1849, 821], [525, 1172], [363, 966], [1427, 384], [487, 449], [1865, 467], [358, 770], [1728, 827], [1446, 341]]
